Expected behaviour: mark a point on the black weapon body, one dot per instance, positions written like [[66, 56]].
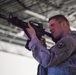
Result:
[[21, 24]]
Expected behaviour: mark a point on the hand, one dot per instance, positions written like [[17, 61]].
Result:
[[31, 31]]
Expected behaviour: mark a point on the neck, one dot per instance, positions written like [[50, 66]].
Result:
[[66, 32]]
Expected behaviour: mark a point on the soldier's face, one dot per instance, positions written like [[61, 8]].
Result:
[[56, 28]]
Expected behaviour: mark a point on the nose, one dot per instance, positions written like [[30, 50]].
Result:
[[50, 28]]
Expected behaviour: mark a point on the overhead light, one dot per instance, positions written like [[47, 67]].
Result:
[[36, 15]]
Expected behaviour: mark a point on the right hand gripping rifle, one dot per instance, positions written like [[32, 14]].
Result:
[[21, 24]]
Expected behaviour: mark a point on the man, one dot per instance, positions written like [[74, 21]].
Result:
[[61, 58]]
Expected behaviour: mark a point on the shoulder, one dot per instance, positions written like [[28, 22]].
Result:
[[68, 41], [70, 38], [72, 33], [66, 44]]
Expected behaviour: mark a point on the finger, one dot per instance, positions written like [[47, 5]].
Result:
[[29, 25]]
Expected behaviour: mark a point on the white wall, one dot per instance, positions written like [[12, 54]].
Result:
[[11, 64]]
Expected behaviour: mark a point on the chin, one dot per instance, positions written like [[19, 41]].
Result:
[[56, 37]]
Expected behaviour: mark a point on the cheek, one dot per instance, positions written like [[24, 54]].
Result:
[[58, 28], [57, 31]]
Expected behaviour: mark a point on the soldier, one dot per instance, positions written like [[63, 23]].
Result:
[[61, 58]]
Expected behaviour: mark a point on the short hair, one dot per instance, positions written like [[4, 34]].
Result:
[[60, 18]]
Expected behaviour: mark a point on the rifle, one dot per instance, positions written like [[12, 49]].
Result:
[[21, 24]]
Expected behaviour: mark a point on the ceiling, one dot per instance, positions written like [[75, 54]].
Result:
[[26, 10]]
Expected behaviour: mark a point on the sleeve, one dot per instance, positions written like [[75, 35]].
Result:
[[56, 55]]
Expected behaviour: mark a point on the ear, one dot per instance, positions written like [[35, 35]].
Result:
[[64, 24]]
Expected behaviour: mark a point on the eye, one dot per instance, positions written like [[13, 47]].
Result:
[[51, 25]]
